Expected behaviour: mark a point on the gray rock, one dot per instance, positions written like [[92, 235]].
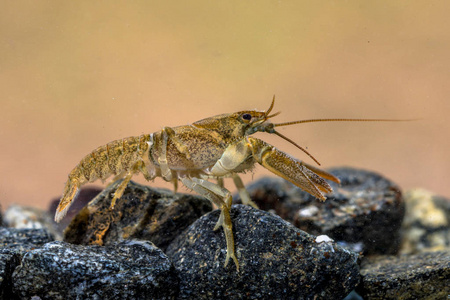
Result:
[[14, 243], [277, 261], [364, 212], [420, 276], [426, 226], [157, 215], [127, 270], [8, 262], [13, 240]]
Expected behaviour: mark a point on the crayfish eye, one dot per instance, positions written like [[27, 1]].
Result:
[[247, 117]]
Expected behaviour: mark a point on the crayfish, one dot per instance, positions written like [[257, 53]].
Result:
[[210, 149]]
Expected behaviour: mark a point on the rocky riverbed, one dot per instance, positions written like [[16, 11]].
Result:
[[367, 241]]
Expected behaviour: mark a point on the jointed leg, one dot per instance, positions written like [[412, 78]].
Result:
[[216, 194], [117, 177], [162, 159], [215, 189], [121, 188], [306, 177], [245, 197], [166, 173], [220, 182], [127, 175]]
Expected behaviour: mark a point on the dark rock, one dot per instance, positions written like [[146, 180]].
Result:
[[85, 196], [14, 243], [426, 226], [364, 212], [8, 262], [127, 270], [14, 240], [421, 276], [144, 213], [353, 296], [277, 261]]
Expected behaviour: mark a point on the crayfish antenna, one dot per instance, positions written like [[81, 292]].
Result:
[[270, 107], [296, 145], [342, 120], [266, 115], [272, 130]]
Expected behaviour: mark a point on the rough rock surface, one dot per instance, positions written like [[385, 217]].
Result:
[[277, 261], [144, 213], [127, 270], [14, 243], [364, 212], [421, 276], [426, 226], [21, 240], [8, 262]]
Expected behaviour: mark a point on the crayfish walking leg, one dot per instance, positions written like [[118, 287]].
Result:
[[217, 194], [245, 197]]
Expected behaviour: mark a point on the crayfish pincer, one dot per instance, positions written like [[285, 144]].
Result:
[[198, 154]]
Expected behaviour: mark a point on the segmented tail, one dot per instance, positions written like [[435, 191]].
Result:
[[70, 192], [115, 158]]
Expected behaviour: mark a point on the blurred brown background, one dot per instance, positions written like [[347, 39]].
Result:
[[77, 74]]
